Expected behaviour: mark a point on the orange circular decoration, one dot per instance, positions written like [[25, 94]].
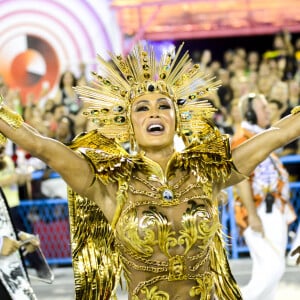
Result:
[[33, 68]]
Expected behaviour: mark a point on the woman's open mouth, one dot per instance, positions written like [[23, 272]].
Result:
[[155, 128]]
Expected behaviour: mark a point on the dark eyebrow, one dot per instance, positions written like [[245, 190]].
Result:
[[162, 99], [147, 101], [140, 102]]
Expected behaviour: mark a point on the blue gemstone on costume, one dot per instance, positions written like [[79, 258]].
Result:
[[167, 195], [186, 115]]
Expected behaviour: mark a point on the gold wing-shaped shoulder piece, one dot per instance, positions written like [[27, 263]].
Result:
[[208, 155], [225, 284], [108, 158], [95, 261]]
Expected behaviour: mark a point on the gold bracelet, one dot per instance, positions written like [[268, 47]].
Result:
[[295, 110], [13, 119]]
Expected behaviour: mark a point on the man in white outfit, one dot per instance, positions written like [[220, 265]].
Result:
[[262, 207]]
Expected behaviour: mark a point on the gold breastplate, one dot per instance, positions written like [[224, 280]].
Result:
[[166, 230], [163, 236]]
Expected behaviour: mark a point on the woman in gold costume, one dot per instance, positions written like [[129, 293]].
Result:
[[150, 214]]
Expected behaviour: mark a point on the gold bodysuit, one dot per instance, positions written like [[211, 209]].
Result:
[[166, 235], [166, 232]]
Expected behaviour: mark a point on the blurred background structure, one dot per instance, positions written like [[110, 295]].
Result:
[[41, 39]]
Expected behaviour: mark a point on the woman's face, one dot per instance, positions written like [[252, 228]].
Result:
[[153, 120], [68, 79]]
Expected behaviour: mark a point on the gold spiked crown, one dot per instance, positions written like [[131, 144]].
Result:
[[122, 79]]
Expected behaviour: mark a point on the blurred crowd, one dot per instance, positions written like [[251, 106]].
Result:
[[58, 116], [274, 73]]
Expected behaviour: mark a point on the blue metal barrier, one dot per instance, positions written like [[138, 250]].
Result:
[[229, 227], [49, 219], [290, 159]]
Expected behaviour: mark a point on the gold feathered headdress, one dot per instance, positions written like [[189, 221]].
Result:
[[122, 79]]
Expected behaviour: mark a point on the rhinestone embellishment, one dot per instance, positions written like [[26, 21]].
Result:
[[167, 195]]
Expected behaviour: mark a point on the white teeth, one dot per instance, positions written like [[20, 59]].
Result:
[[155, 127]]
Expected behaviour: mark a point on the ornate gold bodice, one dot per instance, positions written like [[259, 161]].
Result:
[[166, 232]]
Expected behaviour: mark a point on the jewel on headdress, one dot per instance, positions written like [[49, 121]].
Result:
[[118, 109], [124, 78], [180, 101], [151, 88], [120, 119]]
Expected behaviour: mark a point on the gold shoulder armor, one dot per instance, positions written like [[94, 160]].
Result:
[[208, 154], [108, 158]]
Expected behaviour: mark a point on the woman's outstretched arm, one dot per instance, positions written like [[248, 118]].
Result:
[[73, 168], [249, 154]]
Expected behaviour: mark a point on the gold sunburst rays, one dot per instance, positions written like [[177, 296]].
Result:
[[121, 79]]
